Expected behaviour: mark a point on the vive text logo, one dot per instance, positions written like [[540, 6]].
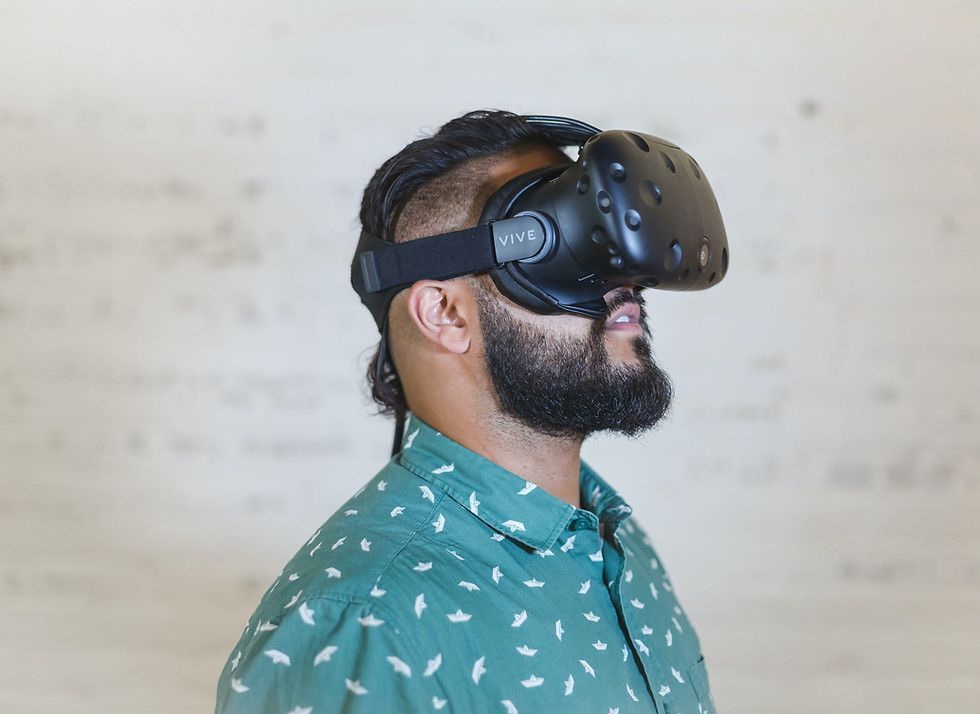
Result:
[[512, 238]]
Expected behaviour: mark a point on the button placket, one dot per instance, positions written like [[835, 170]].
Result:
[[652, 667]]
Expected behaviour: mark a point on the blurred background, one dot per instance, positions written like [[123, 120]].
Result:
[[182, 358]]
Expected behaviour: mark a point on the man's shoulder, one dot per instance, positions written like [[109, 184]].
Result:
[[333, 578], [349, 552]]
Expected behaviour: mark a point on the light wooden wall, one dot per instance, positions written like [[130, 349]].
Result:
[[182, 358]]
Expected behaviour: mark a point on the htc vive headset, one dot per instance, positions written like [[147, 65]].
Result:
[[631, 209]]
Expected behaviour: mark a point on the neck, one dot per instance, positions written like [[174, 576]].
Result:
[[549, 462]]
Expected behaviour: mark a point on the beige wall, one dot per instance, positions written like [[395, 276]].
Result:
[[181, 354]]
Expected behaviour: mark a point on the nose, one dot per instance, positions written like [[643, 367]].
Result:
[[621, 290]]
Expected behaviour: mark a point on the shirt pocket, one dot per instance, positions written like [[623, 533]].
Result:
[[697, 673]]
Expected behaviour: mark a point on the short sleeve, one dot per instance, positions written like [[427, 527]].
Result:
[[327, 656]]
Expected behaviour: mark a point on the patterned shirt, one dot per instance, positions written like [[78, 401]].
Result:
[[448, 583]]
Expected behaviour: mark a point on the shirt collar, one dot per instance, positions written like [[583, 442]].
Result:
[[505, 501]]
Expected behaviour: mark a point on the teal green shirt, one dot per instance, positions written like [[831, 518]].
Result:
[[448, 583]]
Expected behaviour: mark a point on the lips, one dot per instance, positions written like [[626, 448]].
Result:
[[630, 310]]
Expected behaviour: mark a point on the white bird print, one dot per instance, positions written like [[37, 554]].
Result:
[[666, 585], [626, 652], [514, 525], [632, 695], [543, 553], [420, 604], [670, 637], [438, 703], [676, 624], [664, 690], [439, 523], [306, 614], [468, 585], [459, 616], [397, 511], [315, 549], [646, 630], [528, 487], [302, 710], [613, 710], [597, 556], [332, 572], [599, 645], [422, 567], [534, 583], [628, 575], [587, 667], [365, 544], [591, 616], [427, 493], [376, 591], [355, 686], [237, 685], [382, 484], [519, 618], [568, 544], [432, 665], [370, 620], [637, 603], [526, 651], [496, 573], [641, 645], [445, 468], [315, 536], [677, 609], [277, 656], [293, 577], [653, 563], [653, 591], [497, 537], [411, 438], [455, 554], [478, 670], [677, 675], [474, 503], [265, 627], [292, 601], [324, 654], [509, 705], [533, 681], [569, 685], [559, 630], [352, 511], [585, 587], [339, 543], [399, 665]]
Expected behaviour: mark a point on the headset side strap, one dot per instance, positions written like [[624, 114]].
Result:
[[439, 257]]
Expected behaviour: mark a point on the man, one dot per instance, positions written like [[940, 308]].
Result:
[[486, 567]]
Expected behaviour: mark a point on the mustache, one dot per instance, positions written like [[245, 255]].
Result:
[[624, 297]]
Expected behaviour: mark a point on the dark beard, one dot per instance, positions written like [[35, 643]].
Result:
[[567, 387]]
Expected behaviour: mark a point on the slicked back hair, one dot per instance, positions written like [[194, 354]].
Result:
[[437, 184]]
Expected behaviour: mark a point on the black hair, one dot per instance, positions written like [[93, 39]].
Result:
[[476, 134]]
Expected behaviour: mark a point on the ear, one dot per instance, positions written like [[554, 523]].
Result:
[[443, 311]]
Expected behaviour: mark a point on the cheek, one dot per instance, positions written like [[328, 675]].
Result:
[[563, 325]]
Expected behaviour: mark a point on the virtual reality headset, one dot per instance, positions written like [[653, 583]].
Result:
[[631, 209]]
